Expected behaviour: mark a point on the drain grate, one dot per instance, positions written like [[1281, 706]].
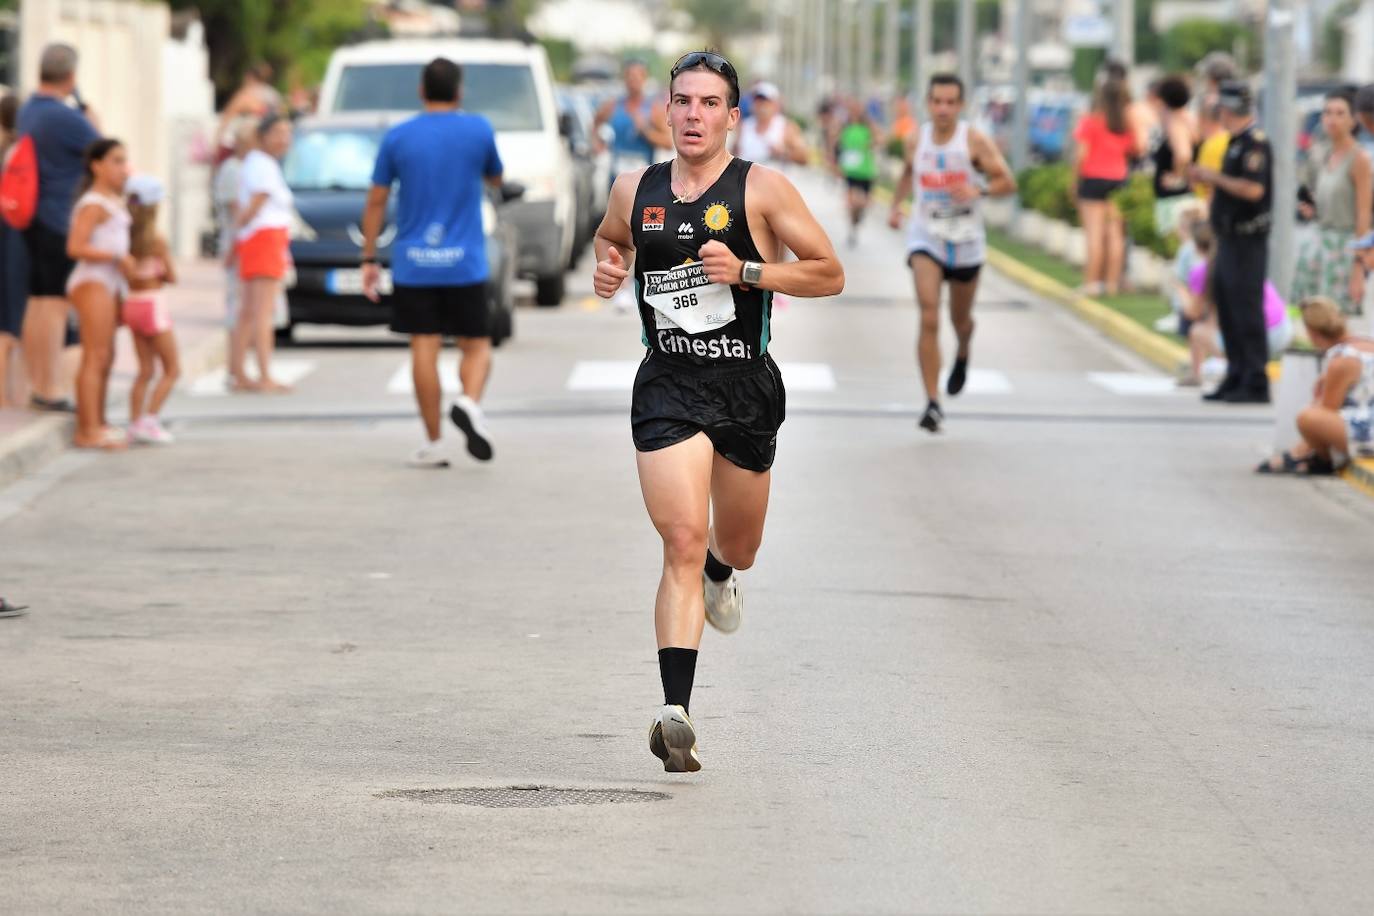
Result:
[[525, 796]]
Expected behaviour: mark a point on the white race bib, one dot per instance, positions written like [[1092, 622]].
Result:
[[953, 222], [683, 297], [852, 159], [627, 162]]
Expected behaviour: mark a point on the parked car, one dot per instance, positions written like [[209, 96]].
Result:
[[592, 169], [512, 85], [329, 170]]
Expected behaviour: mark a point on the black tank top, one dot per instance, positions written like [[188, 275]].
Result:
[[1163, 156], [684, 315]]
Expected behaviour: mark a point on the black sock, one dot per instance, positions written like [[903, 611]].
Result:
[[716, 571], [677, 667]]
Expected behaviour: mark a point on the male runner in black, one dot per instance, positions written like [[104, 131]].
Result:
[[704, 235]]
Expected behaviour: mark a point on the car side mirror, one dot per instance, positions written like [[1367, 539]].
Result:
[[565, 125], [511, 190]]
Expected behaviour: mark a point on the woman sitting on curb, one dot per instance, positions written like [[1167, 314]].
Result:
[[1339, 423]]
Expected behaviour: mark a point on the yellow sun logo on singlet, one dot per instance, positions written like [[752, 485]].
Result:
[[717, 217]]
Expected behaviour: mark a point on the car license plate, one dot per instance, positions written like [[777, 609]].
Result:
[[349, 282]]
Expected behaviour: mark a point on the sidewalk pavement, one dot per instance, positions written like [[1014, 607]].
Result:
[[28, 439]]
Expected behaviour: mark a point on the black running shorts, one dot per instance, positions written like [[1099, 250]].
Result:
[[738, 407], [965, 274], [453, 311]]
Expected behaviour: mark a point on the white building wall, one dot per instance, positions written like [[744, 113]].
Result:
[[149, 91], [1359, 39]]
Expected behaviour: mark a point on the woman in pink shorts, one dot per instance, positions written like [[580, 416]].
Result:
[[145, 313]]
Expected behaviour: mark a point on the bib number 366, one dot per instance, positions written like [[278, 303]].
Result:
[[685, 302]]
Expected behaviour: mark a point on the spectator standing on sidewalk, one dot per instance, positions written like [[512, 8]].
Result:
[[441, 157], [146, 314], [99, 243], [1340, 181], [14, 279], [1103, 146], [254, 100], [226, 200], [1241, 216], [61, 134], [1173, 151], [263, 222]]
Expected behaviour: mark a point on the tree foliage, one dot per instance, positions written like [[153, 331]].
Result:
[[295, 36], [721, 19], [1191, 40]]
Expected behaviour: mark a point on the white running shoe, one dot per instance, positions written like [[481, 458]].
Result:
[[724, 603], [468, 417], [673, 739], [429, 455], [149, 430]]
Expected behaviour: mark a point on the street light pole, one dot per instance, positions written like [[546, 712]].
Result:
[[1279, 92], [967, 25], [1020, 135], [922, 44], [864, 68], [845, 62], [891, 40], [1123, 31]]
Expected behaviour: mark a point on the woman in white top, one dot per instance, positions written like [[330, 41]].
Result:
[[263, 221], [99, 243]]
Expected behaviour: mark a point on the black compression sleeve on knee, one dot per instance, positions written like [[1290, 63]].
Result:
[[716, 571], [678, 668]]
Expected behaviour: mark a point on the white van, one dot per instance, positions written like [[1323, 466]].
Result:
[[512, 85]]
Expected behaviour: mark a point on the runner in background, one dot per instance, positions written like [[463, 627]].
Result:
[[769, 136], [947, 239], [856, 160]]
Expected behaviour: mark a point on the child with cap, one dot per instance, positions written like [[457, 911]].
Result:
[[146, 314]]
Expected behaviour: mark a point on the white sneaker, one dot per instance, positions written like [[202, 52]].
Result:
[[673, 739], [429, 455], [468, 417], [149, 430], [724, 603]]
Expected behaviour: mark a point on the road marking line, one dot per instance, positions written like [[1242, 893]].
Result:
[[619, 375], [982, 381], [402, 382], [287, 371], [1134, 384]]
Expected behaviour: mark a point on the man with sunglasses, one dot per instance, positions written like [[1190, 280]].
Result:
[[703, 235]]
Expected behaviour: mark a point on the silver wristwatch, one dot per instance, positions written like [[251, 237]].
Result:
[[751, 273]]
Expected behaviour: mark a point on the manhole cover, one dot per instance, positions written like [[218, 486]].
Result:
[[525, 796]]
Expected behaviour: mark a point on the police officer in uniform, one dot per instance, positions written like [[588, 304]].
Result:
[[1241, 217]]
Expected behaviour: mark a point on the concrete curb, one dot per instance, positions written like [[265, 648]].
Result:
[[1360, 475], [1163, 353], [33, 445], [49, 435]]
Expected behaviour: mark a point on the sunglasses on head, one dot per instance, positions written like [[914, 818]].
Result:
[[711, 59]]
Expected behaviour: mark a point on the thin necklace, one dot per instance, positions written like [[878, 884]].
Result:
[[688, 197]]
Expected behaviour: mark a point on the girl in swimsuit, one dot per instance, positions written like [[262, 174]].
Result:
[[99, 243], [146, 314]]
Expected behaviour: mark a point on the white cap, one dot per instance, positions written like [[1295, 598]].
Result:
[[147, 188], [767, 91]]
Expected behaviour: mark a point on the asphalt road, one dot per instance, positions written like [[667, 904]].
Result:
[[1069, 656]]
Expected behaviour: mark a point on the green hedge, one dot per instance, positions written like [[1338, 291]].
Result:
[[1048, 189]]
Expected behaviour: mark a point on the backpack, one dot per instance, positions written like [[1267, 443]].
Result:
[[19, 184]]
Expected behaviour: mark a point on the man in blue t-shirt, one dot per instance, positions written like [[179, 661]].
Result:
[[440, 158], [60, 136]]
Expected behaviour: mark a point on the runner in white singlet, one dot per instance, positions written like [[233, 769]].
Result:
[[769, 136], [946, 241]]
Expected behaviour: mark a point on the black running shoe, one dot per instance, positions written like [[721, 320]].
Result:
[[958, 375], [932, 418]]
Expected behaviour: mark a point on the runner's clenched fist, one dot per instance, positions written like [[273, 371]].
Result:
[[720, 265], [610, 273]]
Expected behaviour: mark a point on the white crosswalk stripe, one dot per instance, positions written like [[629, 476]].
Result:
[[1134, 384], [216, 384], [402, 382], [982, 381]]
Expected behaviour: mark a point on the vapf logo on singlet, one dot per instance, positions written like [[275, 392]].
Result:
[[717, 218], [654, 219]]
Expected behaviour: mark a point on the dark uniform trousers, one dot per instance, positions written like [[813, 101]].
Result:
[[1238, 277]]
